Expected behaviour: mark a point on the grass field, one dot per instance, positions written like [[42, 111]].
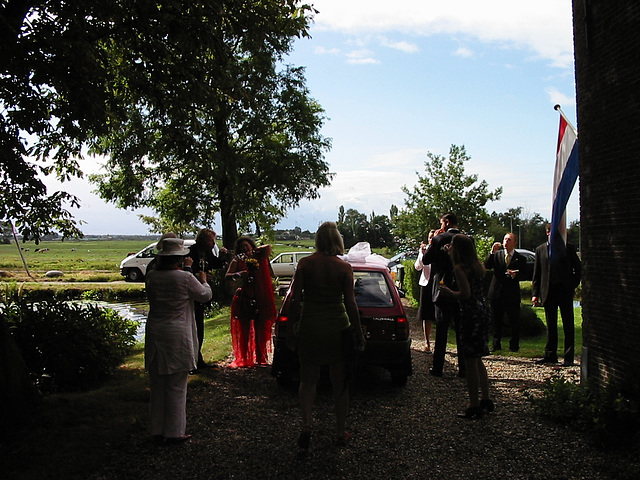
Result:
[[87, 260]]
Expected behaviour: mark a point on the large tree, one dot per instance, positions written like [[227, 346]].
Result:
[[51, 98], [163, 88], [445, 188], [227, 127]]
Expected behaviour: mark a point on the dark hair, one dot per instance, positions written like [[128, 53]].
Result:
[[463, 253], [167, 262], [450, 218], [242, 239]]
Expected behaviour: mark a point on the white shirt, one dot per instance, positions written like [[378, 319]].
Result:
[[426, 270]]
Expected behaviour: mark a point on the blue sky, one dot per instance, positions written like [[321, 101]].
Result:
[[400, 79]]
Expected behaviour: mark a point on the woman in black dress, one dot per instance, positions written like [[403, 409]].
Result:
[[476, 321]]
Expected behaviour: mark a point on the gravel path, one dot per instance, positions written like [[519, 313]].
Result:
[[244, 426]]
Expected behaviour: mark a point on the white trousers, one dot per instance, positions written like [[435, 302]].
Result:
[[168, 404]]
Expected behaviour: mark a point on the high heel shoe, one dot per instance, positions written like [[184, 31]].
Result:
[[487, 405], [471, 413]]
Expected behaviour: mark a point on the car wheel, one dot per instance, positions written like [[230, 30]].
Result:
[[134, 275]]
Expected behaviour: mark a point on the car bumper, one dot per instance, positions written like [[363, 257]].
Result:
[[386, 353], [382, 353]]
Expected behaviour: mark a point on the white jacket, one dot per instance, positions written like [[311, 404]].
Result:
[[171, 340], [426, 270]]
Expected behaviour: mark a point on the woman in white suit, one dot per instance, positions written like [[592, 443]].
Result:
[[171, 341]]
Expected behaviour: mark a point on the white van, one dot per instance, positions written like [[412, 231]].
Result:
[[284, 265], [134, 267]]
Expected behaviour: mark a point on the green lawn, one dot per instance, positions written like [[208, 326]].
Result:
[[533, 347]]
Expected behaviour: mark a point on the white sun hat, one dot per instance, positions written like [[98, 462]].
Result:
[[173, 247]]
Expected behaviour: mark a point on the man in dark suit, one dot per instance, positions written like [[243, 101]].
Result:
[[553, 286], [446, 311], [508, 267], [203, 253]]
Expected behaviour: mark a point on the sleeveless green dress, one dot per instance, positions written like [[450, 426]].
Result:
[[322, 321]]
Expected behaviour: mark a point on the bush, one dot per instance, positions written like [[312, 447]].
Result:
[[604, 413], [67, 346]]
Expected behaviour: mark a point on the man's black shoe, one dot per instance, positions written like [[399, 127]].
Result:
[[514, 348], [435, 373], [568, 364], [203, 365], [541, 361]]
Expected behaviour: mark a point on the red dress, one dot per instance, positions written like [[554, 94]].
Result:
[[253, 313]]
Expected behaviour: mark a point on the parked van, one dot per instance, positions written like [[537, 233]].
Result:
[[284, 265], [134, 267]]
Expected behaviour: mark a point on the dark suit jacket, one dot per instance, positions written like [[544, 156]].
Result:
[[438, 258], [503, 287], [211, 261], [565, 275]]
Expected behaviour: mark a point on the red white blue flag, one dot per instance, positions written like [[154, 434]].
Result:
[[566, 174]]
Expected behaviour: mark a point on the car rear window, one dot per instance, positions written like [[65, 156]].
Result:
[[371, 290]]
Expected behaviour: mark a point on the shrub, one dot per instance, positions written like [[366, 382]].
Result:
[[604, 413], [67, 346]]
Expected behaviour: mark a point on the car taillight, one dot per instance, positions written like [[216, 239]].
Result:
[[402, 328], [281, 325]]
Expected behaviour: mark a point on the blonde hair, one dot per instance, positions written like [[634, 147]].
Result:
[[328, 239]]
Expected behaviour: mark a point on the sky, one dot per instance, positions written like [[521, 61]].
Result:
[[400, 79]]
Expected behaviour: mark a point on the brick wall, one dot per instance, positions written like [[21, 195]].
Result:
[[607, 49]]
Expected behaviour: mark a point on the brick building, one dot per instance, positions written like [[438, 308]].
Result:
[[607, 50]]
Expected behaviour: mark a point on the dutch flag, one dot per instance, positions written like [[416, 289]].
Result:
[[565, 176]]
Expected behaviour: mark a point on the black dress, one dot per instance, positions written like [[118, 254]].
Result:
[[476, 322]]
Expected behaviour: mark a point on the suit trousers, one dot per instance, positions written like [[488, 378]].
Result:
[[559, 298], [511, 308], [446, 315], [199, 309], [168, 404]]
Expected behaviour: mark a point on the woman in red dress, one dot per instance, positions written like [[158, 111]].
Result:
[[253, 309]]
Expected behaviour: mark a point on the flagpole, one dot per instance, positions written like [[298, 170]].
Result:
[[559, 109]]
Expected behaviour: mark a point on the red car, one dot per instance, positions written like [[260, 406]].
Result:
[[384, 324]]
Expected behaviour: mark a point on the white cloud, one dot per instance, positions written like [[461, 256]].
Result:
[[327, 51], [401, 46], [361, 56], [559, 98], [464, 52], [543, 26]]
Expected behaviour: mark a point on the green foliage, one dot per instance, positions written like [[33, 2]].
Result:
[[356, 227], [530, 323], [189, 100], [611, 419], [67, 346], [445, 187], [221, 125], [530, 229], [410, 281]]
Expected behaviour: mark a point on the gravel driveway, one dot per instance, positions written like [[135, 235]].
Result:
[[244, 426]]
